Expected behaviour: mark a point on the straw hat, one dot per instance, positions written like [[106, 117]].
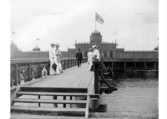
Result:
[[52, 44], [94, 46], [57, 45]]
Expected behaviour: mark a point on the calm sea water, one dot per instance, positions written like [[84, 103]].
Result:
[[135, 98]]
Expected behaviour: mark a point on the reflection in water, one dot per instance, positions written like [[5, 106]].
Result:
[[134, 99]]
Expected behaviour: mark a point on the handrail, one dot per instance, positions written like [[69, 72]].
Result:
[[30, 68]]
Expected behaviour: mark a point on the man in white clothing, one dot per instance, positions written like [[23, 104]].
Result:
[[53, 59], [96, 54]]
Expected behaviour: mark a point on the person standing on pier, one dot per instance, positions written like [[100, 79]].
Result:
[[79, 57], [96, 53], [95, 56], [59, 56], [90, 54], [53, 59]]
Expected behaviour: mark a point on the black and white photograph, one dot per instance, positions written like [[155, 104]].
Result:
[[77, 59]]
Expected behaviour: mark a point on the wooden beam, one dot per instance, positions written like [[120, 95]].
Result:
[[96, 76]]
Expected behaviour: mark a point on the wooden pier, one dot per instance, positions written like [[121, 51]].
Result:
[[70, 87], [76, 77], [66, 94]]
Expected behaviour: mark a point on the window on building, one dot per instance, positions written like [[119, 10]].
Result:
[[105, 54], [111, 54]]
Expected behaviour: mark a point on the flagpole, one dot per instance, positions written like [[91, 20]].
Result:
[[36, 42], [95, 21], [95, 24]]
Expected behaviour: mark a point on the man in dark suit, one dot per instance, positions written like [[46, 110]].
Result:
[[79, 57]]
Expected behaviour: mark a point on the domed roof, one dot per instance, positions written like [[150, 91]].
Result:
[[36, 49], [96, 33]]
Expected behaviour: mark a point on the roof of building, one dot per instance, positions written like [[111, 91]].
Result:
[[96, 33], [36, 49]]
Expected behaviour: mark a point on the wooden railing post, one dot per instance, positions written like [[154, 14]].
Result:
[[29, 71], [96, 76], [124, 65], [65, 64], [155, 67], [135, 65], [11, 76], [145, 64], [19, 78], [16, 75]]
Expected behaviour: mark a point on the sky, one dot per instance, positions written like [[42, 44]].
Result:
[[133, 23]]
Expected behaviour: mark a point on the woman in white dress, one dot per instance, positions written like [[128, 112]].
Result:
[[53, 59], [90, 54], [59, 56]]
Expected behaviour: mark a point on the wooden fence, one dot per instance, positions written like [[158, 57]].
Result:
[[28, 69]]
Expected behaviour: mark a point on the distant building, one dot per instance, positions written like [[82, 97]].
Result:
[[109, 50]]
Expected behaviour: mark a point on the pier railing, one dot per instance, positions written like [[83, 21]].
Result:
[[28, 69], [124, 65]]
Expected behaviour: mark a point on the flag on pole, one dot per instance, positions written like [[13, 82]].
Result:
[[99, 18], [37, 39]]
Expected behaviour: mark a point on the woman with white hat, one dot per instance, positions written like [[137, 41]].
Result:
[[90, 54], [52, 58], [59, 56]]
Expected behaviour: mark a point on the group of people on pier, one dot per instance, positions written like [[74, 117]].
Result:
[[55, 58], [93, 54]]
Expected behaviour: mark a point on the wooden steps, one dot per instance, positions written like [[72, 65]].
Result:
[[51, 96], [49, 101], [47, 109]]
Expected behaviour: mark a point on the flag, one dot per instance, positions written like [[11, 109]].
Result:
[[38, 39], [99, 18]]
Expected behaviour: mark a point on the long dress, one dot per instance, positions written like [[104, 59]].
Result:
[[59, 66], [52, 58], [90, 54]]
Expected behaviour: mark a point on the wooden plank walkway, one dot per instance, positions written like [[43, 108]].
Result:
[[72, 77]]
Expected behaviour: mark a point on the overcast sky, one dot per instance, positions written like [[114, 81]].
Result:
[[133, 23]]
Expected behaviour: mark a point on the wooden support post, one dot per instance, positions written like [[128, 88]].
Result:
[[96, 76], [16, 75], [135, 65], [19, 79], [39, 104], [64, 64], [124, 65], [11, 84], [64, 98], [39, 68], [94, 103], [25, 79], [155, 67], [73, 63], [112, 65], [69, 63], [145, 64], [55, 98], [29, 71], [70, 99]]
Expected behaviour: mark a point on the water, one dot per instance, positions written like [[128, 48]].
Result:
[[135, 98]]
